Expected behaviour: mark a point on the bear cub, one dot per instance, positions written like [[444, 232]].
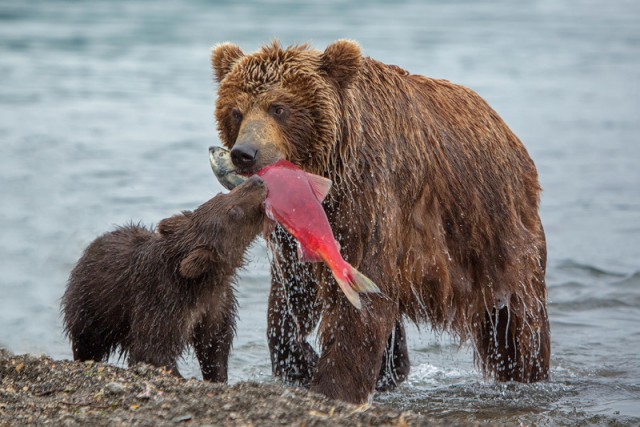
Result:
[[149, 294]]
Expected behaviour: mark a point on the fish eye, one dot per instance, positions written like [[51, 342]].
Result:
[[236, 114]]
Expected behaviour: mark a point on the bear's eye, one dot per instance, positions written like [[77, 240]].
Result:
[[279, 111], [236, 114], [236, 213]]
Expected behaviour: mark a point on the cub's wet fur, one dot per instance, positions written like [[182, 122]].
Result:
[[149, 294]]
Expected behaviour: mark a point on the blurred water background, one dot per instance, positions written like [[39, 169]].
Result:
[[106, 113]]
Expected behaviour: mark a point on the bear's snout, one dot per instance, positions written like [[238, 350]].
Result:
[[253, 191], [244, 156], [258, 143]]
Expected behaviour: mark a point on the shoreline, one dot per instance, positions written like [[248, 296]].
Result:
[[40, 390]]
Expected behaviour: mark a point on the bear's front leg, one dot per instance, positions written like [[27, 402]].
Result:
[[159, 351], [292, 357], [212, 339], [395, 362], [353, 344], [293, 313]]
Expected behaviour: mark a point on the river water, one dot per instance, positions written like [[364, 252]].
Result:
[[106, 113]]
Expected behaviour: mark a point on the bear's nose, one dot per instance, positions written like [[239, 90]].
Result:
[[244, 156]]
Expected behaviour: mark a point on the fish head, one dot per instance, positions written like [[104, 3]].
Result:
[[220, 160], [283, 103], [223, 168]]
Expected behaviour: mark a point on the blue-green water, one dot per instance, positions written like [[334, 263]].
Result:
[[106, 113]]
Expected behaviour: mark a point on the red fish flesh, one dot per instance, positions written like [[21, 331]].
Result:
[[294, 201]]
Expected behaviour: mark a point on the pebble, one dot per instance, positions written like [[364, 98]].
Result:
[[141, 369], [114, 388], [181, 418], [287, 394], [68, 420]]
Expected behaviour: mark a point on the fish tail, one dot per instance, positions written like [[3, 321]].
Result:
[[353, 283], [349, 292], [362, 283]]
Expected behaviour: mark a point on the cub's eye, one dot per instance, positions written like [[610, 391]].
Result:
[[236, 114], [279, 111], [236, 214]]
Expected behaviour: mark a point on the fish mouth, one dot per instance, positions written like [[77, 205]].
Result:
[[222, 164]]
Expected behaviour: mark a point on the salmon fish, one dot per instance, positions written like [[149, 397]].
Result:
[[223, 169], [294, 201]]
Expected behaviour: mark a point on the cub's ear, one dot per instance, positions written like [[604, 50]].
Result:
[[197, 263], [174, 223], [223, 58], [341, 61]]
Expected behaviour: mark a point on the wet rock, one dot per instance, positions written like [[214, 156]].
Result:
[[182, 418], [68, 420], [114, 388], [142, 369]]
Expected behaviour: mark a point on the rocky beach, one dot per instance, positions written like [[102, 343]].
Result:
[[38, 390]]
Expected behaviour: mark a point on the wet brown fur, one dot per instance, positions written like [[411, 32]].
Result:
[[149, 294], [434, 198]]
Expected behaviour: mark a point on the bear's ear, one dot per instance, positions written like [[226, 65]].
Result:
[[197, 263], [341, 61], [223, 57], [174, 223]]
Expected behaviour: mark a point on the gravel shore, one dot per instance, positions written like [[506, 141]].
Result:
[[39, 390]]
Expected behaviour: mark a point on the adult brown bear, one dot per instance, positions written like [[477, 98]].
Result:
[[434, 198]]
